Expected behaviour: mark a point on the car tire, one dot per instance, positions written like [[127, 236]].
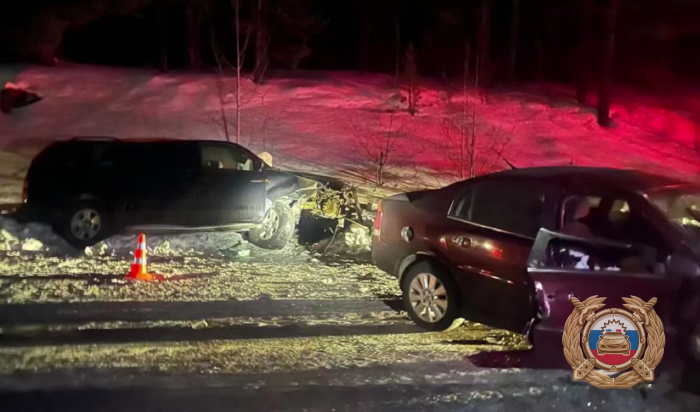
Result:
[[413, 284], [84, 223], [277, 228]]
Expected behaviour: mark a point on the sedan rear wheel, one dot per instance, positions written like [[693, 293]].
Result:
[[428, 297], [431, 297]]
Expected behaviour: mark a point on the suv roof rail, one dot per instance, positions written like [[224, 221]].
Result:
[[95, 138]]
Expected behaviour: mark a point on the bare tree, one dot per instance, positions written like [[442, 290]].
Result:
[[461, 130], [605, 86], [411, 79], [219, 78], [583, 53], [398, 53], [162, 21], [239, 65], [379, 144], [193, 28], [222, 64], [262, 41], [484, 38], [514, 23]]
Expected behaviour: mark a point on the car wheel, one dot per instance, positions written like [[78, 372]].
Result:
[[84, 224], [276, 228], [431, 297]]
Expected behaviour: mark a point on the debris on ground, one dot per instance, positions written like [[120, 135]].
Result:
[[355, 239]]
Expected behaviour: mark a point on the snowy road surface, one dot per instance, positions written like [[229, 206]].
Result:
[[261, 330]]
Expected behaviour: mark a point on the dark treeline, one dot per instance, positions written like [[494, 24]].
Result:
[[511, 39]]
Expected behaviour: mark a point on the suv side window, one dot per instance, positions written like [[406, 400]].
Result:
[[150, 157], [225, 157], [506, 205]]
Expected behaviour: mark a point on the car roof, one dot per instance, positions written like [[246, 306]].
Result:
[[110, 139], [592, 177]]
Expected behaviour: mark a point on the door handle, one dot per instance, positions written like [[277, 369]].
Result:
[[463, 242]]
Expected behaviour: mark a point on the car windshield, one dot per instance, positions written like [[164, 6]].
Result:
[[681, 206]]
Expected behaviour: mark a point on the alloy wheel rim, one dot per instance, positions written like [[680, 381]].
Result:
[[428, 297], [85, 224], [270, 224]]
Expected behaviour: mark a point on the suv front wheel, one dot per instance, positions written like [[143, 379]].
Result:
[[276, 229], [84, 223]]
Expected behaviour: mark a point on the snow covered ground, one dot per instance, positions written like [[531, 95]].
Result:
[[315, 120]]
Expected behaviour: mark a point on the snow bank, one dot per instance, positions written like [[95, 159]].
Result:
[[39, 237], [175, 245], [30, 237]]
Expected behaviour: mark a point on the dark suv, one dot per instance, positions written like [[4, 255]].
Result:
[[89, 188]]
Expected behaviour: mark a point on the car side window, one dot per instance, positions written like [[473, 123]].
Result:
[[463, 205], [224, 157], [597, 255], [612, 218], [507, 206], [150, 157]]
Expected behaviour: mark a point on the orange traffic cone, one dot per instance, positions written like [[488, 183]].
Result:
[[138, 268]]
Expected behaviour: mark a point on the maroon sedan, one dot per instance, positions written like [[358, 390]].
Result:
[[510, 249]]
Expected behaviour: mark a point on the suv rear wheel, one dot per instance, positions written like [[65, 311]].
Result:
[[84, 223], [276, 229], [431, 297]]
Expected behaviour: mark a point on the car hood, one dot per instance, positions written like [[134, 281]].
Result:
[[331, 182]]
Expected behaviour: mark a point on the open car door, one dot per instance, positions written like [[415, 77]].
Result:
[[563, 266]]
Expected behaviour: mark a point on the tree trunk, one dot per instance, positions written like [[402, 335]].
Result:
[[262, 41], [484, 38], [163, 37], [463, 129], [193, 27], [583, 53], [515, 17], [398, 53], [608, 57], [238, 72]]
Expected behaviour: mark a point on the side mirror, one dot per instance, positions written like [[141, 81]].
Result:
[[682, 265]]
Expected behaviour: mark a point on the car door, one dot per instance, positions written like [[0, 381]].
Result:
[[232, 187], [556, 268], [493, 226], [160, 179]]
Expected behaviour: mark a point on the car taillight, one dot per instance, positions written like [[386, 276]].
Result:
[[24, 191], [378, 221]]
